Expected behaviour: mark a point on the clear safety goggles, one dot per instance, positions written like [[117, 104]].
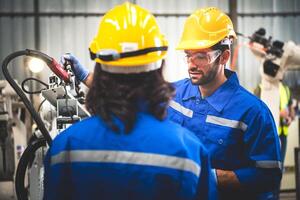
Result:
[[201, 58]]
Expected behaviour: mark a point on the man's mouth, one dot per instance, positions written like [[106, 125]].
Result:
[[196, 72]]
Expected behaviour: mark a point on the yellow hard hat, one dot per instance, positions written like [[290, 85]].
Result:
[[128, 36], [205, 28]]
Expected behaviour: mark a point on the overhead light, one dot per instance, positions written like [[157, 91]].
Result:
[[36, 65]]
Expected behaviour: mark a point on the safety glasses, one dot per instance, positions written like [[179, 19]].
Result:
[[203, 59]]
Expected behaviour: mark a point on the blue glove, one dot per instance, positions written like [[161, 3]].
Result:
[[79, 70]]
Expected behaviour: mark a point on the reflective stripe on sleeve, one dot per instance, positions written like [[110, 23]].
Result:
[[226, 122], [185, 111], [214, 173], [268, 164], [127, 157]]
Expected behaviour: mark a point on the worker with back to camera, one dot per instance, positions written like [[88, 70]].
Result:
[[236, 127], [127, 149]]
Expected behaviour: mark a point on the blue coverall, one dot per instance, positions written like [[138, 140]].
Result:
[[237, 129], [156, 160]]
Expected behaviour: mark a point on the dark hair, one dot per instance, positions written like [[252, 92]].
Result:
[[123, 95], [221, 47]]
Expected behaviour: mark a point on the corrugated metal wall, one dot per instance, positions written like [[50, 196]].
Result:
[[60, 34], [15, 32]]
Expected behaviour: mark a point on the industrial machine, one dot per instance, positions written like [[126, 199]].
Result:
[[13, 135], [276, 58], [61, 107]]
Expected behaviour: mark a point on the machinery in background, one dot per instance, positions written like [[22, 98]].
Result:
[[62, 97], [61, 107], [13, 134], [65, 105], [276, 57]]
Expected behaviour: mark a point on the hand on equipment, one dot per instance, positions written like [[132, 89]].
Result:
[[79, 70]]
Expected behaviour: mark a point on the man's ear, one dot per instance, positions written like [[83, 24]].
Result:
[[224, 57]]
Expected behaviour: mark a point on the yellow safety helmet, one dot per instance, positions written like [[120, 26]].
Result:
[[128, 37], [205, 28]]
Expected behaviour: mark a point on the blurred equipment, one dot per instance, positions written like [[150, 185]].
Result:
[[276, 58], [13, 136], [65, 104], [67, 100]]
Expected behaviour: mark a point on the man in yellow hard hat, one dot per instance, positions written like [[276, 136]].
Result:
[[237, 128], [127, 149]]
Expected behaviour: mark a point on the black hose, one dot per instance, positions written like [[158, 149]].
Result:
[[40, 106], [33, 79], [29, 106], [26, 158]]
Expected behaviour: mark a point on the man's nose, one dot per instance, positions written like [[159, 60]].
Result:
[[191, 65]]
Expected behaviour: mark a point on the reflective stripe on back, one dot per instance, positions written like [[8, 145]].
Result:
[[127, 157], [185, 111], [268, 164], [226, 122]]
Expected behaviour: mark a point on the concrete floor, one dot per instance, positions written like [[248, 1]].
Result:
[[7, 191], [288, 196]]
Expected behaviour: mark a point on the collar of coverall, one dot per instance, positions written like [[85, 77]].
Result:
[[221, 96]]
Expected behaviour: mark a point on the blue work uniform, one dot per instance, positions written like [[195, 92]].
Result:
[[156, 160], [238, 131]]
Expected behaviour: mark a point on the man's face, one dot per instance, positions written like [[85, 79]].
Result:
[[202, 65]]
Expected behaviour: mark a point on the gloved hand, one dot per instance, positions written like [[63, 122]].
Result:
[[79, 70]]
